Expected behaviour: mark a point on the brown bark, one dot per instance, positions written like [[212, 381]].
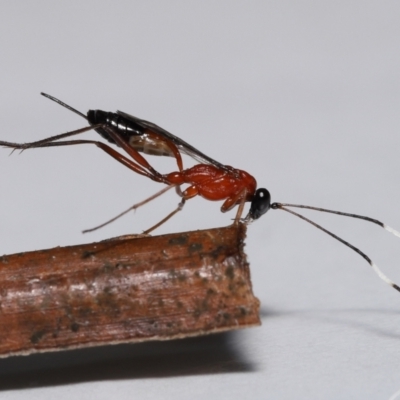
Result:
[[126, 290]]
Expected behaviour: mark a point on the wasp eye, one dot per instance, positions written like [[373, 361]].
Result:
[[260, 204]]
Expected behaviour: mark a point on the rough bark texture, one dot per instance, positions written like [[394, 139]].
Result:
[[126, 290]]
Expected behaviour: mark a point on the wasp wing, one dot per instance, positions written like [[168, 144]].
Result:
[[182, 146]]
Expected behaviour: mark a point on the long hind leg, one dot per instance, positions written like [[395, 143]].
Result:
[[40, 143], [134, 207], [137, 205], [171, 214], [134, 166]]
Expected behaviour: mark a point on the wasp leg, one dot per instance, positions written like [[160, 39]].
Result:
[[119, 157], [230, 202], [170, 215], [134, 207], [50, 139]]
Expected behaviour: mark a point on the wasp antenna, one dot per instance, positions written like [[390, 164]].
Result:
[[374, 221], [61, 103], [281, 206], [391, 230]]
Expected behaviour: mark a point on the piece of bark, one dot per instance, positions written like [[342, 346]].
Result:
[[126, 290]]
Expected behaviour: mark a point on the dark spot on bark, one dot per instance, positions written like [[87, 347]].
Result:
[[4, 259], [217, 252], [108, 290], [230, 272], [37, 336], [179, 240], [74, 327], [195, 247], [87, 254], [107, 268], [172, 274], [181, 277], [226, 316]]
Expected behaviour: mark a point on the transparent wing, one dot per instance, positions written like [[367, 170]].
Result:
[[183, 146]]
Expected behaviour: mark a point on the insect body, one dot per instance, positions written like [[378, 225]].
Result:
[[209, 179], [213, 183]]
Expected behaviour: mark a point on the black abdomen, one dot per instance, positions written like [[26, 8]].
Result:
[[124, 127]]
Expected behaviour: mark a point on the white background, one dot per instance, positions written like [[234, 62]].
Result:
[[305, 95]]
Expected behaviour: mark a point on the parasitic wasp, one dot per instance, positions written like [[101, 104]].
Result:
[[209, 179]]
